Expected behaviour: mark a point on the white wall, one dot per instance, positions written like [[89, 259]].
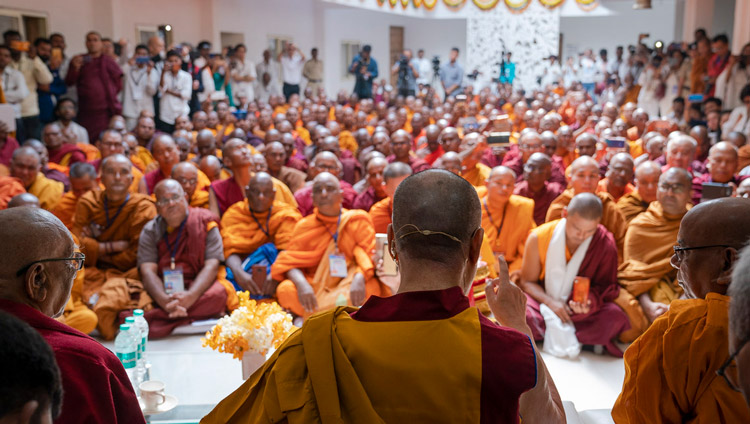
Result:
[[621, 28]]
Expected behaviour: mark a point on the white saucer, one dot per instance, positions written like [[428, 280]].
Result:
[[169, 403]]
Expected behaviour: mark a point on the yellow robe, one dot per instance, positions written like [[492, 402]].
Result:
[[49, 192], [77, 314], [670, 371], [199, 199], [66, 208], [348, 142], [518, 222], [243, 236], [477, 176], [631, 205]]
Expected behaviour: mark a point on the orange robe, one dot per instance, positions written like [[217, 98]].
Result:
[[242, 235], [77, 314], [348, 142], [144, 155], [515, 223], [603, 187], [126, 225], [304, 134], [612, 219], [381, 213], [312, 243], [631, 205], [9, 188], [670, 371], [477, 176], [49, 192], [199, 199], [66, 209], [92, 153]]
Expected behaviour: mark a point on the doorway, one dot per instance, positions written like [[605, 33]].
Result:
[[396, 49]]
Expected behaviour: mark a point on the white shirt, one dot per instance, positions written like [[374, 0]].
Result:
[[292, 68], [138, 90], [14, 88], [271, 68], [171, 107], [80, 133], [587, 71], [424, 67], [244, 88]]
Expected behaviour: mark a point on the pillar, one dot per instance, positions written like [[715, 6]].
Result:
[[698, 14], [741, 34]]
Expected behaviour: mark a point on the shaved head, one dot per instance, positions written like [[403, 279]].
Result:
[[586, 205], [186, 174], [260, 192], [23, 199], [647, 179], [501, 171], [395, 170], [211, 166], [584, 175]]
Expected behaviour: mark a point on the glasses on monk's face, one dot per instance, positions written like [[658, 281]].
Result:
[[169, 200], [676, 188], [679, 251], [729, 371], [76, 262]]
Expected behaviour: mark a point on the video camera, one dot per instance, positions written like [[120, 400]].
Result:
[[436, 64]]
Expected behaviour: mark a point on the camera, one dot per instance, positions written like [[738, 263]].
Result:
[[436, 64]]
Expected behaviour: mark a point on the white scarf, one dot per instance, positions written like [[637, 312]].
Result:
[[558, 273]]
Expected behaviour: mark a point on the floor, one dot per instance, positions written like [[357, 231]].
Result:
[[200, 376]]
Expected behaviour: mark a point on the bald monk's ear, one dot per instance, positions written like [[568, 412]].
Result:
[[564, 212], [730, 258], [392, 243], [35, 283], [475, 245]]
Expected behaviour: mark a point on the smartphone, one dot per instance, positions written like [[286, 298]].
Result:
[[56, 53], [21, 46], [381, 245], [142, 60], [500, 139], [240, 114], [616, 143], [581, 290], [259, 275], [461, 97], [695, 98], [713, 191], [471, 127]]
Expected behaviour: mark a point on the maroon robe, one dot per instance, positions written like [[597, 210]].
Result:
[[98, 82], [491, 159], [190, 256], [509, 366], [54, 174], [605, 321], [697, 167], [542, 199], [706, 178], [366, 199], [76, 154], [349, 168], [416, 164], [303, 197], [6, 153], [227, 193], [153, 178], [95, 385], [297, 163], [516, 164]]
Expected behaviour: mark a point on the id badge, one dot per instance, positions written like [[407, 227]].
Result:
[[337, 265], [173, 281]]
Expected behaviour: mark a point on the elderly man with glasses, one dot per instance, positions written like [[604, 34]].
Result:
[[671, 370]]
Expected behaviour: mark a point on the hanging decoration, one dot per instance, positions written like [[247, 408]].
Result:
[[454, 3], [393, 3], [404, 3], [381, 2], [587, 5], [486, 4], [551, 4], [517, 6], [429, 4], [417, 4]]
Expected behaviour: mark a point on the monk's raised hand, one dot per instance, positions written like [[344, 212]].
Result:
[[580, 308], [506, 301], [307, 297], [357, 291]]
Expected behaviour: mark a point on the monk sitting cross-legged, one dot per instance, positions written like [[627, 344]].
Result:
[[381, 212], [378, 364], [255, 231], [584, 179], [558, 252], [722, 166], [646, 181], [167, 155], [327, 262], [645, 273], [111, 143], [671, 370], [108, 223], [186, 174], [82, 180], [323, 162]]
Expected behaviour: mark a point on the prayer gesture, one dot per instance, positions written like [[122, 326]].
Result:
[[507, 302]]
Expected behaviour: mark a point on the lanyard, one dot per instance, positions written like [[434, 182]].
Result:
[[267, 229], [502, 220], [137, 82], [106, 211], [335, 235], [173, 250]]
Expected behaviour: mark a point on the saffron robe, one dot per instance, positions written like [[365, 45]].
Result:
[[49, 192], [66, 155], [9, 188], [242, 234], [631, 205], [305, 202], [514, 229], [228, 192], [381, 214], [66, 209]]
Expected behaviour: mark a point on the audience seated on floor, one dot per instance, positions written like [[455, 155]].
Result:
[[381, 212]]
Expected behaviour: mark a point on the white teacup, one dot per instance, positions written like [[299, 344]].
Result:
[[152, 394]]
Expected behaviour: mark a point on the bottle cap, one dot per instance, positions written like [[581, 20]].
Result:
[[129, 320], [138, 313], [124, 327]]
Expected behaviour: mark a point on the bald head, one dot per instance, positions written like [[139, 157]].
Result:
[[23, 199], [451, 161], [260, 192], [326, 194], [396, 170], [586, 205], [723, 160], [501, 171], [584, 175], [211, 166], [186, 174]]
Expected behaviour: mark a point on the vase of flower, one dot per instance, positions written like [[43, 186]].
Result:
[[251, 362]]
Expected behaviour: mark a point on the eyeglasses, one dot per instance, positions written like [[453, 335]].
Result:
[[679, 251], [75, 261], [173, 199], [676, 188], [187, 181], [728, 371]]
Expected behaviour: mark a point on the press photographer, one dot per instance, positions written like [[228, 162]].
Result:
[[407, 74], [365, 69]]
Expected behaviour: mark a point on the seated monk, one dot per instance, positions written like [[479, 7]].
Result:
[[500, 371], [186, 174], [49, 169], [536, 185], [381, 212], [431, 150], [671, 370], [212, 167], [295, 157], [224, 193], [559, 251], [323, 162], [646, 182], [144, 134], [108, 223], [646, 274], [531, 142], [351, 169], [26, 165], [76, 314], [82, 180], [681, 151], [167, 155], [618, 177], [471, 151], [9, 188], [375, 191], [179, 253], [739, 324], [276, 158], [205, 144], [111, 143], [40, 247], [401, 144], [255, 231], [507, 220], [722, 167], [60, 152], [586, 145], [451, 162], [584, 179], [327, 262]]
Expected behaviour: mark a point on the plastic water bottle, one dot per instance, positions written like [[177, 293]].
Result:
[[126, 350], [142, 326], [139, 373]]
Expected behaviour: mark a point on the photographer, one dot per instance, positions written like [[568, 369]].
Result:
[[407, 74], [365, 69]]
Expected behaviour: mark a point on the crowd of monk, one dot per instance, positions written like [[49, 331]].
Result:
[[286, 202]]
